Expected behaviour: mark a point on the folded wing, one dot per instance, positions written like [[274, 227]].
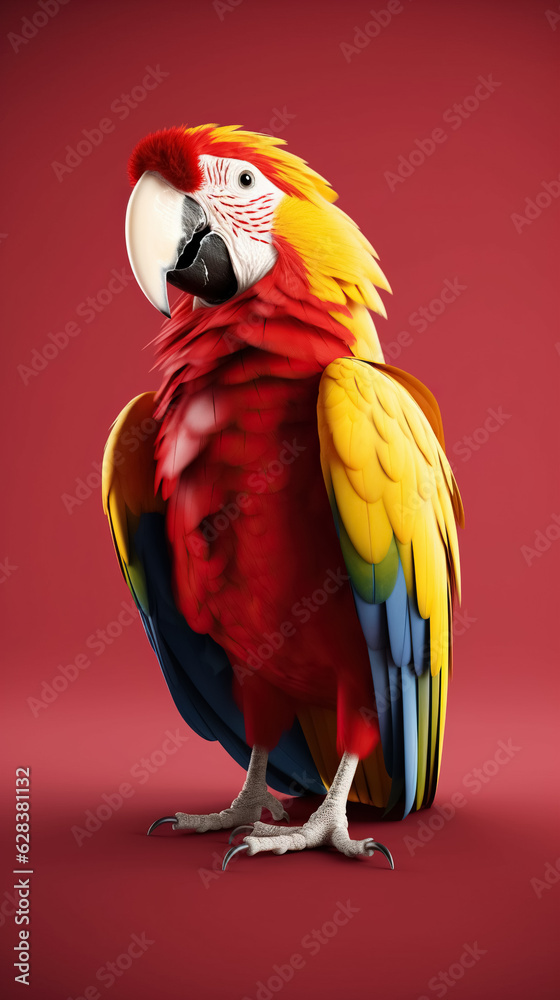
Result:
[[396, 506]]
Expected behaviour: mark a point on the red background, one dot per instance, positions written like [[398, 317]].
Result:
[[493, 347]]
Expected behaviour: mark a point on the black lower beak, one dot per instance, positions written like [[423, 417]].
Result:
[[204, 266]]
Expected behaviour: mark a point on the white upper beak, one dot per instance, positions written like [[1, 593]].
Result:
[[154, 234]]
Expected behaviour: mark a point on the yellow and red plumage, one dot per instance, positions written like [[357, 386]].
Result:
[[240, 466]]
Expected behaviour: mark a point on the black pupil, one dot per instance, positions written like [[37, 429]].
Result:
[[246, 180]]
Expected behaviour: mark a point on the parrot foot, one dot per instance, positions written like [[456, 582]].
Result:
[[327, 827], [319, 831], [243, 811]]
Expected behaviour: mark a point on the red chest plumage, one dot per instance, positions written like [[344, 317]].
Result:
[[257, 563]]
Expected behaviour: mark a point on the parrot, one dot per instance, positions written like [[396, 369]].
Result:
[[282, 508]]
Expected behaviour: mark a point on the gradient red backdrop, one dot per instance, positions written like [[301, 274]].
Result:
[[355, 95]]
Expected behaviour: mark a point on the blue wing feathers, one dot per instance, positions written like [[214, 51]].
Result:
[[420, 635], [380, 675], [373, 620], [410, 733], [385, 584], [398, 645], [395, 690], [398, 621]]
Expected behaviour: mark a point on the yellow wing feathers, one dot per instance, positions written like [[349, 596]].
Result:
[[128, 483], [381, 456]]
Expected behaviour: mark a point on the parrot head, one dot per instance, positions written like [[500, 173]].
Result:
[[214, 209]]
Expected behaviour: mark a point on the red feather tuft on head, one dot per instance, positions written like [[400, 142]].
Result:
[[174, 152], [170, 152]]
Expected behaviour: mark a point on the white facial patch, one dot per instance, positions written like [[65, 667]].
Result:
[[240, 202]]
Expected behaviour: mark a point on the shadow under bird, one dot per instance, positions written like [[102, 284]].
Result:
[[282, 508]]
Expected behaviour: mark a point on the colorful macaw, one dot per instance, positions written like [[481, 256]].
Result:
[[282, 508]]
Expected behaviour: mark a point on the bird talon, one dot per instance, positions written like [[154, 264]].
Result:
[[371, 846], [158, 822], [238, 829], [232, 852]]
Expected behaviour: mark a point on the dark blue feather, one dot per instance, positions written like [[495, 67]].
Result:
[[199, 675]]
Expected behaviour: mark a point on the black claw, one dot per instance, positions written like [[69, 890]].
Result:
[[371, 846], [158, 822], [238, 829], [233, 851]]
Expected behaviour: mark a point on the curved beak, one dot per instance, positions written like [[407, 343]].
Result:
[[168, 238]]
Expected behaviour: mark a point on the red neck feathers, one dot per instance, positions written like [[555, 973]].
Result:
[[272, 332]]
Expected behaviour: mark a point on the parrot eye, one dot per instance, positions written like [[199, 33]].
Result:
[[246, 179]]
